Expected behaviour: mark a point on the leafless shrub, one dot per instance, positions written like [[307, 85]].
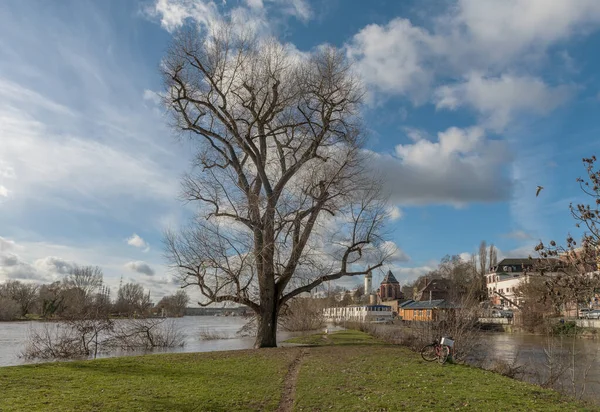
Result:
[[149, 333], [53, 341], [513, 369], [84, 338], [210, 334], [249, 329], [415, 335]]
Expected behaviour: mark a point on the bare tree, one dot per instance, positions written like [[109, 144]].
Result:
[[87, 279], [483, 261], [285, 200], [571, 273], [9, 309], [174, 305], [132, 300], [493, 256], [24, 294]]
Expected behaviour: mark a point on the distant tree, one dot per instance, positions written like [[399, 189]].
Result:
[[87, 279], [493, 261], [174, 305], [286, 202], [132, 299], [9, 309], [535, 306], [359, 294], [483, 258], [408, 289], [24, 294], [51, 299], [347, 299]]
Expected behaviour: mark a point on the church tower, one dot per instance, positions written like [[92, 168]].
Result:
[[368, 283], [389, 288]]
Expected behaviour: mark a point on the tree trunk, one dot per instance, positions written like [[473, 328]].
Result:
[[266, 333]]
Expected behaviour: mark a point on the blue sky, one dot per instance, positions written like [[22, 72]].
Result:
[[470, 105]]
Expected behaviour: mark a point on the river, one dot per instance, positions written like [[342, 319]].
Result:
[[13, 336]]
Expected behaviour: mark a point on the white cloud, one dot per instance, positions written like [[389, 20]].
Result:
[[253, 15], [483, 35], [396, 254], [391, 58], [395, 213], [299, 9], [6, 244], [140, 267], [462, 166], [137, 241], [45, 160], [3, 191], [506, 30], [500, 99], [466, 256], [173, 13], [47, 269], [53, 264]]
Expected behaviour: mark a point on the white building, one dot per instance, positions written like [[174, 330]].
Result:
[[504, 279], [364, 313]]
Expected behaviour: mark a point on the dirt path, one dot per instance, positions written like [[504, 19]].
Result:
[[289, 386]]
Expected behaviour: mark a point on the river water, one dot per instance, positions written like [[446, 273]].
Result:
[[13, 336]]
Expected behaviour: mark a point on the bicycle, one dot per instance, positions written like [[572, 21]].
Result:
[[439, 351]]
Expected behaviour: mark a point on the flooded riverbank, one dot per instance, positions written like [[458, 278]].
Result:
[[576, 360], [13, 337]]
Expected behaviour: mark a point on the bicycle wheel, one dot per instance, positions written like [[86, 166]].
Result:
[[429, 353], [444, 353]]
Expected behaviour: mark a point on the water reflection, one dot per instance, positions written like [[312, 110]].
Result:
[[574, 363]]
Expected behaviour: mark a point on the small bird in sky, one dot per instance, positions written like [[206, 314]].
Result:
[[539, 189]]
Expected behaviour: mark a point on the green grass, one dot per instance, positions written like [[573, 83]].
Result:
[[226, 381], [342, 371], [388, 378]]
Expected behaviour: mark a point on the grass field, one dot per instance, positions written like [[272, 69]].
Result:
[[342, 371]]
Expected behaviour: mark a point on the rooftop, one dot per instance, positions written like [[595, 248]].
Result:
[[389, 278]]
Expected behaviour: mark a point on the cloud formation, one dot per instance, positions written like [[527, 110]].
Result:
[[395, 213], [6, 244], [138, 242], [259, 15], [500, 99], [140, 267], [482, 36], [462, 166], [45, 270]]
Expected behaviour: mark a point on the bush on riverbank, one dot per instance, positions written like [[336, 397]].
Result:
[[569, 328], [354, 372]]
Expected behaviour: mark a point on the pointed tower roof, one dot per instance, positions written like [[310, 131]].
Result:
[[390, 278]]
